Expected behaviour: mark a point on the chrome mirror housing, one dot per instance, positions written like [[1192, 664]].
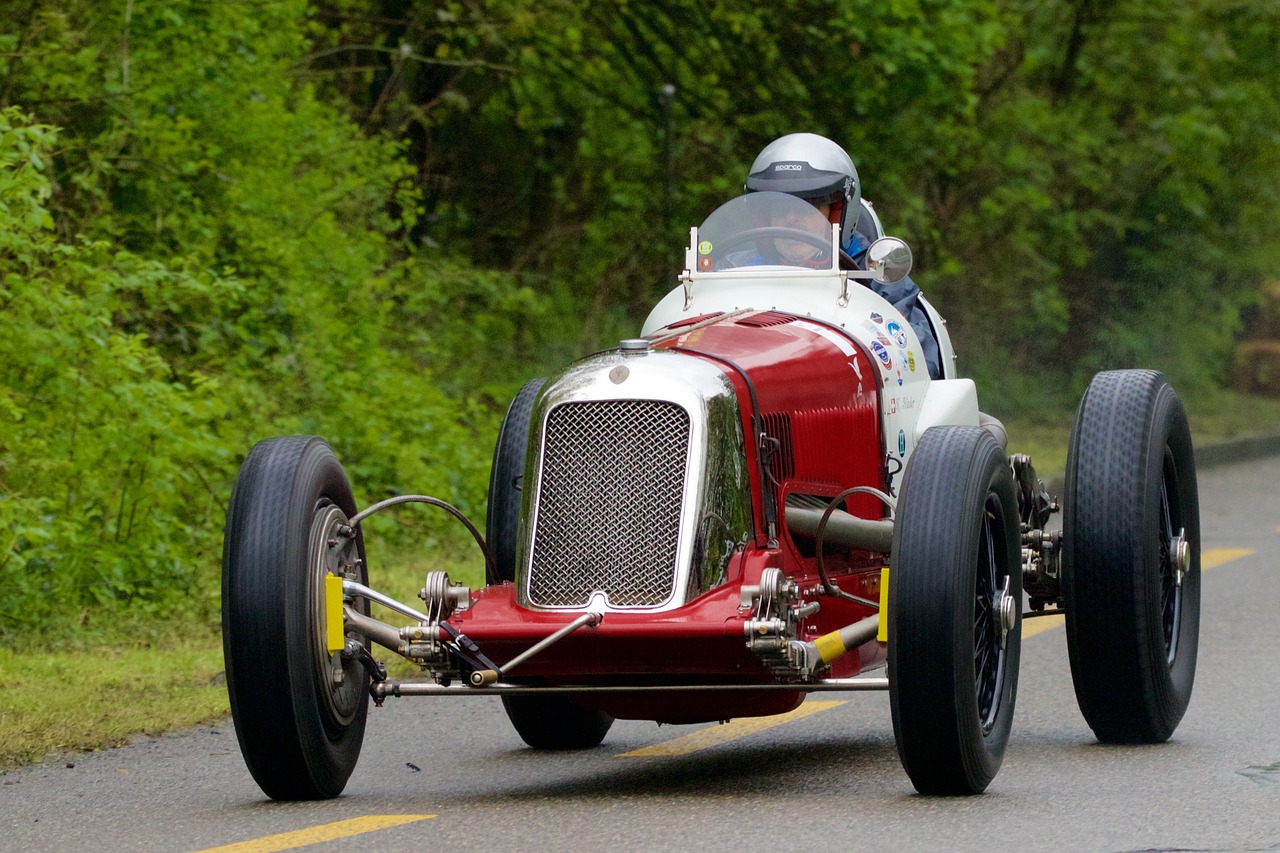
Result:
[[889, 260]]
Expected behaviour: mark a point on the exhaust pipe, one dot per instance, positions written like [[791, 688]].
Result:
[[837, 643], [843, 529]]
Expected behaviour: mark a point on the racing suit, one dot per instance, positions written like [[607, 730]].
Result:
[[905, 296]]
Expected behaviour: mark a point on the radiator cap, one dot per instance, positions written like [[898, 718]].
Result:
[[634, 346]]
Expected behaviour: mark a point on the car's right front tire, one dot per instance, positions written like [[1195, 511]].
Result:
[[955, 593], [299, 710]]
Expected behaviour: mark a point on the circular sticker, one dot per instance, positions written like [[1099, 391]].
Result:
[[704, 248], [883, 354], [897, 333], [704, 264]]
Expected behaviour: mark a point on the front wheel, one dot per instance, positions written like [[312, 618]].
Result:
[[955, 589], [1131, 557], [299, 711]]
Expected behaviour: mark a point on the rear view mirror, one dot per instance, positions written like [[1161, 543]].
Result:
[[889, 260]]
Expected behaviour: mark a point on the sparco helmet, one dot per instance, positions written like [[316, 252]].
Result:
[[813, 168]]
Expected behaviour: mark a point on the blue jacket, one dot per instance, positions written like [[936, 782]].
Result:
[[905, 296]]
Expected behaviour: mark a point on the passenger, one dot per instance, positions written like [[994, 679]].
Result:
[[819, 171]]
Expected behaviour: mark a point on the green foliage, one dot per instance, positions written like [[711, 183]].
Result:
[[1084, 184], [102, 450], [203, 255], [1114, 188], [541, 129], [105, 700]]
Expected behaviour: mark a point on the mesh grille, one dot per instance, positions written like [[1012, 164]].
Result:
[[608, 516]]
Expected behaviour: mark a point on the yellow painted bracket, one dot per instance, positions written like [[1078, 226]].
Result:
[[882, 634], [335, 636]]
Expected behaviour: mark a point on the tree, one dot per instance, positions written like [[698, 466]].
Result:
[[204, 254]]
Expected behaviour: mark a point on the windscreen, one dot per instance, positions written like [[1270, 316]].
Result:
[[765, 229]]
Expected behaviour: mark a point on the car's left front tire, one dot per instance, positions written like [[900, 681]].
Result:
[[502, 522]]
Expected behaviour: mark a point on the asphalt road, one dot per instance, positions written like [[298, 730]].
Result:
[[451, 773]]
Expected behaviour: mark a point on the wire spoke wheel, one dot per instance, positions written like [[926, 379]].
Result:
[[1171, 531], [988, 652], [954, 632], [299, 710], [342, 694], [1131, 557]]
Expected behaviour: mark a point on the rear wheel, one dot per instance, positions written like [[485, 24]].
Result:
[[955, 589], [299, 711], [1131, 557], [503, 521], [553, 722]]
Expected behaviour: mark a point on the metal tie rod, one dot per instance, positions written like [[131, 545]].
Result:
[[426, 688], [482, 677], [351, 587]]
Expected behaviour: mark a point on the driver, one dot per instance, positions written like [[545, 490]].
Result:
[[800, 252], [819, 171]]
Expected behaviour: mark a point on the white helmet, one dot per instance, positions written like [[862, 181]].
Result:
[[813, 168]]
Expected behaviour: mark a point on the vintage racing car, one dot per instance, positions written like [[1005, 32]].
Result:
[[763, 496]]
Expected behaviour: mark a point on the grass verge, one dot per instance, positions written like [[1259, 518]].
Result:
[[99, 690], [57, 702]]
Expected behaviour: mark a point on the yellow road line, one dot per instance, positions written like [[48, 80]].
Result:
[[1217, 556], [1208, 559], [716, 735], [1040, 624], [317, 834]]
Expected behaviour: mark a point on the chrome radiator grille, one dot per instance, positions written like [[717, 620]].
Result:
[[608, 516]]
